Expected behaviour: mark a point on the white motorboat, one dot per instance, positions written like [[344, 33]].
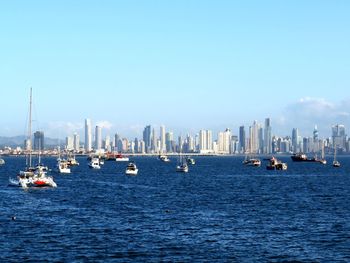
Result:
[[131, 169], [63, 167], [95, 163], [164, 158], [2, 161]]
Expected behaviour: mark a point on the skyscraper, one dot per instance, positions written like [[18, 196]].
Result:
[[88, 135], [162, 139], [39, 143], [147, 137], [205, 141], [242, 138], [267, 137], [98, 138], [254, 138], [338, 136], [295, 144], [76, 142]]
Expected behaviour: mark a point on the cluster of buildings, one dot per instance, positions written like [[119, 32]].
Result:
[[255, 139]]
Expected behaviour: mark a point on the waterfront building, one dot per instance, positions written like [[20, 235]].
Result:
[[267, 137], [69, 143], [88, 135], [147, 137], [98, 138], [242, 140], [169, 139], [39, 141], [339, 136], [162, 139], [295, 138], [76, 142]]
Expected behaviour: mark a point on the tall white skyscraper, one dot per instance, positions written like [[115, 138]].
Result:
[[88, 135], [267, 137], [205, 141], [162, 139], [224, 141], [76, 142], [254, 137], [98, 138], [69, 143]]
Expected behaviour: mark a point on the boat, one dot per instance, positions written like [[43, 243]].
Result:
[[299, 157], [336, 163], [95, 163], [249, 160], [72, 161], [182, 166], [34, 176], [252, 162], [275, 164], [2, 161], [63, 167], [190, 161], [323, 159], [131, 169], [120, 158], [164, 158], [302, 157]]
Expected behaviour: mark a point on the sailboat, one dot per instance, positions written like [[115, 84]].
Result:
[[335, 162], [182, 166], [33, 176], [323, 159]]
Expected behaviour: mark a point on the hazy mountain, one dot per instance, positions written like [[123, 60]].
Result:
[[19, 141]]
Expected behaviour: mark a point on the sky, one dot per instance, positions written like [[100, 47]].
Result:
[[187, 64]]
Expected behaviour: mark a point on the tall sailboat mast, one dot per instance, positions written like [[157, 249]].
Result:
[[30, 129]]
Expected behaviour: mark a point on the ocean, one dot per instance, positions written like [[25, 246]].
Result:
[[221, 211]]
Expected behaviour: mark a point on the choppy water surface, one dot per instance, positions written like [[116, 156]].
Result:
[[219, 211]]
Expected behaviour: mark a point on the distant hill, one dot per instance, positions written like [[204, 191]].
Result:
[[19, 141]]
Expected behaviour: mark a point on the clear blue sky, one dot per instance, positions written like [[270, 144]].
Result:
[[186, 64]]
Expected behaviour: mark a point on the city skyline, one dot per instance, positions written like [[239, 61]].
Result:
[[182, 64]]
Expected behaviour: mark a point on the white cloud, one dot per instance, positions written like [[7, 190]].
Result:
[[104, 124], [308, 112]]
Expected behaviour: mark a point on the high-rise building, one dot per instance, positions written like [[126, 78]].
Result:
[[169, 141], [76, 142], [98, 138], [162, 139], [116, 141], [39, 142], [223, 142], [205, 141], [147, 138], [267, 137], [107, 143], [69, 143], [254, 138], [242, 139], [154, 141], [295, 144], [88, 135], [339, 136]]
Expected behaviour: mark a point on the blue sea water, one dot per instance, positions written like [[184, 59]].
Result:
[[221, 211]]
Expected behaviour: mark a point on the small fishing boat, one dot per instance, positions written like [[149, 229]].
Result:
[[131, 169]]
